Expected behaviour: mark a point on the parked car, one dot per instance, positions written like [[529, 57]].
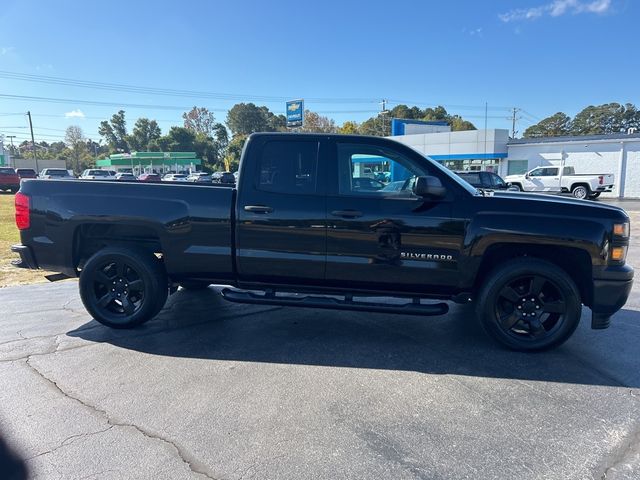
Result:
[[96, 174], [125, 177], [9, 179], [26, 173], [328, 242], [56, 174], [174, 177], [486, 180], [150, 177], [366, 184], [394, 186], [215, 177], [563, 180], [227, 178], [199, 177]]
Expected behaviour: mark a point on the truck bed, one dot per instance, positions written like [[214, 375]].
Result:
[[192, 223]]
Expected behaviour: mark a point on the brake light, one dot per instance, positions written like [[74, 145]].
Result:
[[23, 218], [600, 179]]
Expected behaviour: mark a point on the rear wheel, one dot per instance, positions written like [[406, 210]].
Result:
[[529, 304], [122, 287], [194, 285], [518, 186], [580, 191]]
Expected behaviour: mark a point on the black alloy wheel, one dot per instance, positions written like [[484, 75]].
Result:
[[530, 307], [529, 304], [122, 288]]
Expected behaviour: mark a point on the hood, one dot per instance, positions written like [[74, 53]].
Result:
[[534, 202]]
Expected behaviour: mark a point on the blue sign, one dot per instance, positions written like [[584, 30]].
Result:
[[295, 113]]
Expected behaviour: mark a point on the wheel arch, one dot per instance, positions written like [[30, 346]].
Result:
[[576, 262]]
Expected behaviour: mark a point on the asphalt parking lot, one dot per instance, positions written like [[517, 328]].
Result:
[[216, 390]]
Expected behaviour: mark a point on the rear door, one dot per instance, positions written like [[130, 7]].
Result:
[[387, 240], [280, 211]]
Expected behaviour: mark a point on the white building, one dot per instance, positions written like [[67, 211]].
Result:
[[618, 154], [493, 150]]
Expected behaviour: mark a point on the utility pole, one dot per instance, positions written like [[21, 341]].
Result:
[[382, 115], [513, 122], [33, 142], [11, 137]]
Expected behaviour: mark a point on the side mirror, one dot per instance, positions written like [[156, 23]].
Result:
[[429, 187], [526, 175]]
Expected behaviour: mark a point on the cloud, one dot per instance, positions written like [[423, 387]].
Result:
[[74, 113], [557, 8]]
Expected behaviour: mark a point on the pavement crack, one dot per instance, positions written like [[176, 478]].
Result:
[[193, 464], [68, 441], [629, 449]]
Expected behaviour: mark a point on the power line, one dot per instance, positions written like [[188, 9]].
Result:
[[168, 92]]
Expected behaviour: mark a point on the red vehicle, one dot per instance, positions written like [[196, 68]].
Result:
[[26, 173], [9, 179], [150, 177]]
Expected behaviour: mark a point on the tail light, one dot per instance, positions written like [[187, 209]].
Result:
[[23, 218], [600, 179]]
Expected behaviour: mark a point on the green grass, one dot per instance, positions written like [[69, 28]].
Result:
[[9, 235]]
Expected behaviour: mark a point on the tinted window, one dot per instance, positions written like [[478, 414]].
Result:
[[6, 171], [496, 181], [288, 167], [472, 178], [545, 172]]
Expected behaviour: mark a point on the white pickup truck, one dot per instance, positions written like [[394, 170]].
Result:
[[563, 180]]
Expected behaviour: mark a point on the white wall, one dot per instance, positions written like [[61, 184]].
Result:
[[457, 143], [602, 156], [31, 163]]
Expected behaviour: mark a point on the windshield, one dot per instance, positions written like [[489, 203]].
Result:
[[99, 173], [6, 171], [57, 173]]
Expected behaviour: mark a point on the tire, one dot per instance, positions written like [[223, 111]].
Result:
[[194, 285], [528, 304], [518, 186], [580, 191], [594, 195], [116, 274]]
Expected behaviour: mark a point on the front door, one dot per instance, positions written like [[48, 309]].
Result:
[[381, 237], [281, 224]]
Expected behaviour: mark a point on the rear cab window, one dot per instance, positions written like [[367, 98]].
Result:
[[288, 167]]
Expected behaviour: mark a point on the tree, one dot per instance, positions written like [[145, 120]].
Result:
[[556, 125], [200, 120], [605, 119], [179, 139], [349, 128], [246, 118], [145, 131], [314, 122], [115, 132], [381, 123], [74, 139]]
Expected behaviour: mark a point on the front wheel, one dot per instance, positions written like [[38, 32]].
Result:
[[580, 192], [529, 304], [122, 287], [594, 195]]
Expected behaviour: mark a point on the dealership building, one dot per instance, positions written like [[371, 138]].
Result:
[[493, 150]]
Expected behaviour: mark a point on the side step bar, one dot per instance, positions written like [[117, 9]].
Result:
[[313, 301]]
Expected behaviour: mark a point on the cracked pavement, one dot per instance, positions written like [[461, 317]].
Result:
[[216, 390]]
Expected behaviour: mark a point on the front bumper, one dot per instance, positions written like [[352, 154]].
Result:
[[611, 289], [27, 260]]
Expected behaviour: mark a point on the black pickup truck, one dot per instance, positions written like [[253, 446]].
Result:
[[300, 229]]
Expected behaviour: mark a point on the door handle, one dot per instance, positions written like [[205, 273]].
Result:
[[346, 213], [258, 209]]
